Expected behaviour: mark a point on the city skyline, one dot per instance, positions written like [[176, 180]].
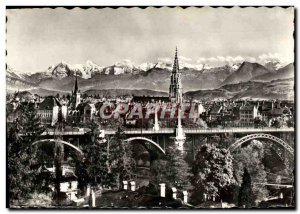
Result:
[[35, 40], [174, 108]]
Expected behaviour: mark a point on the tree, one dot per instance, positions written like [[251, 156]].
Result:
[[177, 170], [201, 123], [15, 165], [69, 97], [25, 171], [172, 170], [290, 122], [31, 125], [158, 168], [293, 190], [245, 198], [58, 160], [212, 171], [121, 163], [276, 123], [93, 170], [85, 96], [251, 157], [259, 123], [95, 161]]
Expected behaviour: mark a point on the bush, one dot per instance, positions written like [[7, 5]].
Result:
[[39, 199]]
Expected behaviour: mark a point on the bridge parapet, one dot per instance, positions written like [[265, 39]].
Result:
[[172, 131]]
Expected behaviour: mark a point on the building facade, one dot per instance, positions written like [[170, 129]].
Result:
[[248, 112], [48, 111]]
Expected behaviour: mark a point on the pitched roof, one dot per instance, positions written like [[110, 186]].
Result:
[[266, 106], [89, 105], [49, 103], [247, 107], [277, 111], [216, 109], [150, 98]]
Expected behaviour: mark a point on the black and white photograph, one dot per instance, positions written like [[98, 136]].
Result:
[[150, 107]]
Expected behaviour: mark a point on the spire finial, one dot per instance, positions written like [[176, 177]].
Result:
[[176, 64], [176, 51]]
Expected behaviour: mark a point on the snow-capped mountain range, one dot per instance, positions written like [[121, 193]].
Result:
[[125, 75], [89, 69]]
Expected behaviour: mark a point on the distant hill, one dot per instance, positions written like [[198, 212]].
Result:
[[276, 89], [125, 92], [282, 73], [247, 80], [209, 94], [153, 79], [246, 72]]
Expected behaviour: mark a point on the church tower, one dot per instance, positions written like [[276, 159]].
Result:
[[76, 93], [175, 90]]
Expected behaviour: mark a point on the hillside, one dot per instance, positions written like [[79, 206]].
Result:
[[154, 79], [208, 95], [125, 92], [282, 73], [248, 80], [246, 72], [276, 89]]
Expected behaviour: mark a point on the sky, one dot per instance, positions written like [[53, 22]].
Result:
[[39, 38]]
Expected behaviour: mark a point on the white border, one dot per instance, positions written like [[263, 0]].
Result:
[[3, 4]]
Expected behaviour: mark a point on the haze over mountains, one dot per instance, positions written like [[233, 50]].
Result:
[[245, 80]]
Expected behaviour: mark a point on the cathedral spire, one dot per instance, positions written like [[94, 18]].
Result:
[[76, 93], [176, 90], [176, 64], [76, 85]]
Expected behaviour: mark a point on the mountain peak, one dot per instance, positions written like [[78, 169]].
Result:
[[91, 63], [246, 72], [247, 63], [285, 72]]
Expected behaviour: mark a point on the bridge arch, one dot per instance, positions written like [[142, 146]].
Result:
[[148, 140], [277, 140], [60, 141]]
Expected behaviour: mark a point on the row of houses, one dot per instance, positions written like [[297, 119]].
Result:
[[225, 113], [247, 113], [47, 110]]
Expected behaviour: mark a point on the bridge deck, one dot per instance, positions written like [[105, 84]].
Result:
[[186, 130], [276, 185]]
